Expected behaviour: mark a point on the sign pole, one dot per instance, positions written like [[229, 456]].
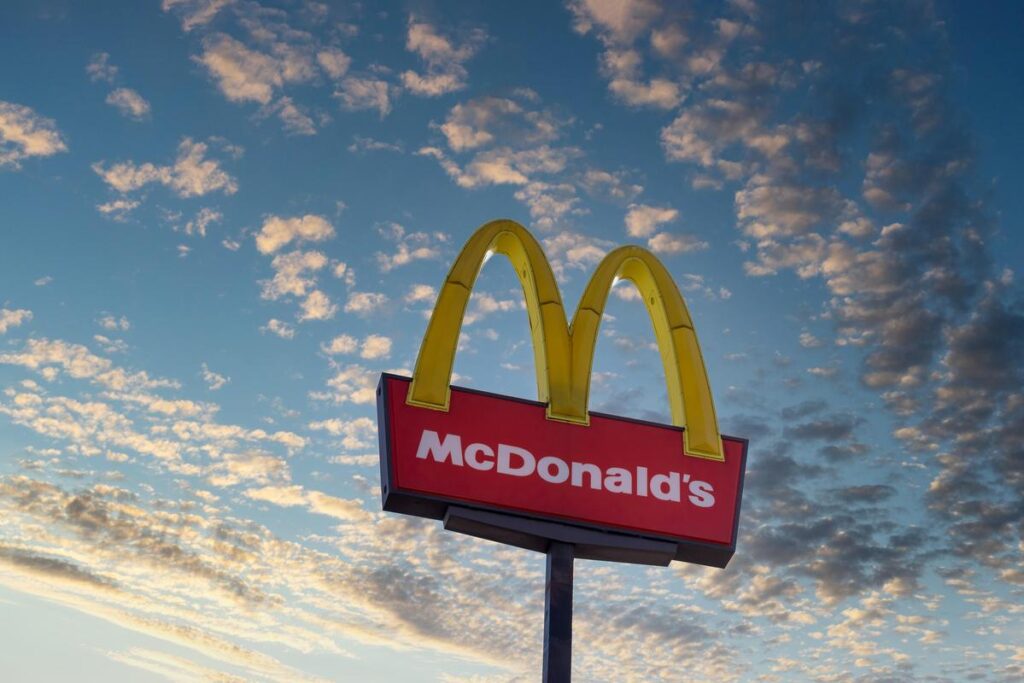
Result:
[[558, 613]]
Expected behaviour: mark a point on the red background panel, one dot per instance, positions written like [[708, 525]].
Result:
[[606, 442]]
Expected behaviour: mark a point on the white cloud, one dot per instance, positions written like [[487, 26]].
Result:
[[621, 20], [292, 274], [317, 306], [246, 75], [50, 357], [365, 302], [315, 501], [622, 67], [668, 243], [362, 144], [574, 250], [341, 344], [485, 120], [129, 103], [281, 329], [99, 68], [195, 13], [445, 71], [375, 346], [118, 209], [420, 292], [809, 341], [352, 384], [410, 247], [277, 232], [357, 93], [198, 225], [642, 220], [24, 133], [13, 318], [110, 322], [294, 117], [191, 175], [358, 433], [213, 380], [333, 61]]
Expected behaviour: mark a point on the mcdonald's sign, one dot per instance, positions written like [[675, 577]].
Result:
[[530, 472]]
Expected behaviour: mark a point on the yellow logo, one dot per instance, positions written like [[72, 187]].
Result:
[[564, 353]]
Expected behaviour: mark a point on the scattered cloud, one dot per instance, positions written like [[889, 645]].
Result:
[[443, 58], [24, 134], [214, 381], [281, 329], [278, 232], [191, 174], [642, 220], [130, 103], [11, 318]]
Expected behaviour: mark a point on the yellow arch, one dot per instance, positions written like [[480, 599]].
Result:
[[563, 356]]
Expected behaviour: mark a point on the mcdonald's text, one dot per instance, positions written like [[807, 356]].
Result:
[[518, 462]]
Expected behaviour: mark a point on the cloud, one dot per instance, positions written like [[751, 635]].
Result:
[[642, 220], [281, 329], [246, 75], [375, 346], [622, 67], [191, 174], [11, 318], [352, 384], [341, 344], [365, 92], [278, 232], [484, 120], [214, 381], [118, 209], [622, 21], [333, 61], [99, 68], [130, 103], [317, 306], [362, 144], [24, 134], [549, 203], [365, 303], [410, 247], [420, 292], [668, 243], [202, 220], [113, 323], [444, 59], [358, 433], [195, 13], [51, 357]]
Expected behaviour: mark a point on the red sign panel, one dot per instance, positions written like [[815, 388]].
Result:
[[504, 455]]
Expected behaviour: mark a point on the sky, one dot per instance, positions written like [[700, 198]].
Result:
[[223, 219]]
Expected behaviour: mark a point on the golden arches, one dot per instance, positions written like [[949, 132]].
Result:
[[563, 355]]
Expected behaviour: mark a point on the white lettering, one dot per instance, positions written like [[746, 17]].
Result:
[[519, 462], [547, 463], [664, 487], [618, 480], [505, 453], [701, 494], [472, 453], [432, 446], [579, 468]]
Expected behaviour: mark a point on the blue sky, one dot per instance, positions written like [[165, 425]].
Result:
[[223, 219]]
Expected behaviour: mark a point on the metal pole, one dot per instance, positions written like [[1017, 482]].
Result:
[[558, 614]]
